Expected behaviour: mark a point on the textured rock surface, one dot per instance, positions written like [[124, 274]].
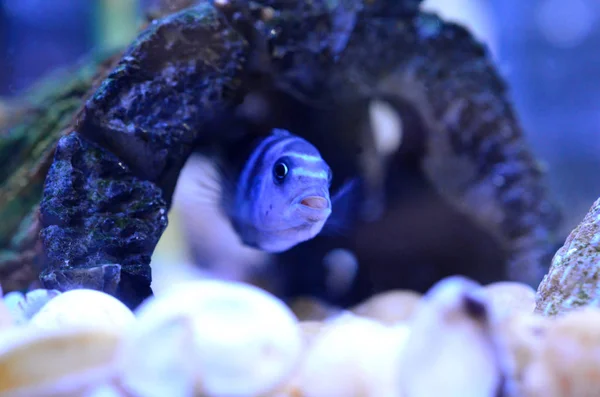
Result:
[[104, 205], [101, 223], [574, 277], [180, 73], [475, 154]]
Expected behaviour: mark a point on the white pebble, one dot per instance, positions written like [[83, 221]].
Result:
[[238, 339], [351, 357], [83, 307], [56, 362], [390, 307], [451, 351], [507, 298], [154, 360], [24, 307]]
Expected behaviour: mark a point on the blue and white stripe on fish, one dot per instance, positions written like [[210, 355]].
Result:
[[310, 174], [306, 157]]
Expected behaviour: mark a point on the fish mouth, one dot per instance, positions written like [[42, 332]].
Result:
[[315, 202], [314, 207]]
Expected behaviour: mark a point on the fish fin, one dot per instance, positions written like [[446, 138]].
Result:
[[345, 204], [280, 132]]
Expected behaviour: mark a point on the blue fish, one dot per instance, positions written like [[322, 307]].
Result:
[[281, 196]]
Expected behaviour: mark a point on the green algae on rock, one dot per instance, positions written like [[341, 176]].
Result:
[[574, 277], [101, 223]]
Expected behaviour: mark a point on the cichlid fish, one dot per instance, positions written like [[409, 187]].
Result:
[[278, 195]]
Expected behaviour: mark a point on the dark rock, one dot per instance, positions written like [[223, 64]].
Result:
[[476, 156], [102, 278], [101, 223], [174, 79], [109, 188]]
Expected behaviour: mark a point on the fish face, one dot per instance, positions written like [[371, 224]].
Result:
[[308, 189], [287, 197]]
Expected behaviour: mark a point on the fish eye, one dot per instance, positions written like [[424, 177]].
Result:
[[280, 171]]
